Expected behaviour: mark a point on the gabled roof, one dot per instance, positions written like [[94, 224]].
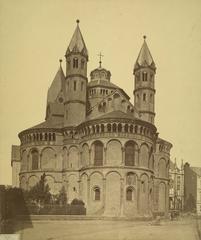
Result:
[[197, 170], [116, 114], [144, 58], [77, 44], [48, 124], [56, 86]]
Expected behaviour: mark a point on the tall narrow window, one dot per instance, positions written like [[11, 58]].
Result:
[[98, 153], [144, 97], [75, 63], [35, 159], [130, 153], [75, 85], [82, 64], [144, 76], [129, 194], [97, 194]]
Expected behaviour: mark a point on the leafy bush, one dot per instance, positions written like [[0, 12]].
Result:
[[76, 201]]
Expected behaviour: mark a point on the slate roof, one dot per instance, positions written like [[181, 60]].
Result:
[[56, 86], [116, 114], [144, 58], [77, 43]]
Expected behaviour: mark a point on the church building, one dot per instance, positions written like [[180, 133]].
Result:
[[103, 148]]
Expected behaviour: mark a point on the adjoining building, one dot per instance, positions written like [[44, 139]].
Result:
[[176, 193], [192, 188], [95, 142]]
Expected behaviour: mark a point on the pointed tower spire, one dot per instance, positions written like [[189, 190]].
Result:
[[77, 44], [144, 58], [76, 80], [144, 92]]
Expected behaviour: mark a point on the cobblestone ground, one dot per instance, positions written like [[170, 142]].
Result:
[[184, 229]]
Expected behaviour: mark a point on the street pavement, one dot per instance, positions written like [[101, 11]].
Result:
[[183, 229]]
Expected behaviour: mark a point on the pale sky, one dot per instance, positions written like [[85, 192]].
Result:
[[35, 34]]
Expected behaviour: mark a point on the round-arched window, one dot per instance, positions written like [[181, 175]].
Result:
[[97, 194], [129, 194]]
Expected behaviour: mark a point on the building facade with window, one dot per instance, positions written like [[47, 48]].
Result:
[[176, 193], [192, 189], [95, 142]]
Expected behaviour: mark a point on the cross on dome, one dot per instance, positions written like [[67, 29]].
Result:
[[100, 58]]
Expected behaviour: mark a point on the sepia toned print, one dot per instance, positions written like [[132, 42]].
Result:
[[97, 166]]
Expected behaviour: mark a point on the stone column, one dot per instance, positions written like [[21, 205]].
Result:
[[79, 159], [90, 160], [67, 159], [136, 157], [123, 156], [79, 189], [67, 189], [104, 193], [88, 191], [40, 157], [121, 197], [104, 156], [138, 195]]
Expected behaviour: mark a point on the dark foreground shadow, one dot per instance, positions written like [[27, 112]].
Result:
[[12, 204]]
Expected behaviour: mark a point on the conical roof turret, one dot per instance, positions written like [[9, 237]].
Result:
[[77, 44], [57, 85], [144, 58]]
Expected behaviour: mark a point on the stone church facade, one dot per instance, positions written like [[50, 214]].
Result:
[[100, 146]]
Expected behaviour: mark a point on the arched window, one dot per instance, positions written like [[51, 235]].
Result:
[[54, 136], [144, 76], [114, 127], [74, 86], [98, 153], [35, 159], [129, 194], [131, 128], [130, 154], [82, 64], [50, 137], [45, 136], [102, 128], [126, 127], [97, 128], [119, 127], [109, 127], [97, 194], [144, 97], [75, 63]]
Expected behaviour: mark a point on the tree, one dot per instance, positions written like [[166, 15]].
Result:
[[40, 192], [62, 199]]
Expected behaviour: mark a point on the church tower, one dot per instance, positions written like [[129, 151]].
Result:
[[144, 92], [76, 80]]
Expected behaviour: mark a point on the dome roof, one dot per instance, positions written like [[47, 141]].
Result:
[[100, 74]]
